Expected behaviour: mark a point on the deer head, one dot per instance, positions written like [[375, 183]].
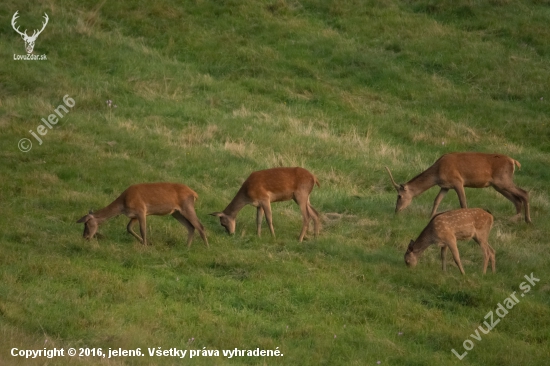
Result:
[[29, 40], [226, 221], [410, 257], [404, 195], [90, 225]]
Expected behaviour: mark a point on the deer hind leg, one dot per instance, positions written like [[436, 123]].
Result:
[[438, 199], [259, 217], [488, 253], [315, 216], [129, 228], [482, 238], [456, 256], [523, 196], [302, 201], [493, 257], [143, 228], [190, 228], [511, 197], [191, 222], [444, 258]]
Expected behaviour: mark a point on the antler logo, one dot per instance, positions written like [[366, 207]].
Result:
[[29, 40]]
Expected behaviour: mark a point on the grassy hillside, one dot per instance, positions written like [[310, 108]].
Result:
[[207, 92]]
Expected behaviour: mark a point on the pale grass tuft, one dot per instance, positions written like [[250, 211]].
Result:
[[240, 149], [83, 27], [367, 222], [364, 101], [387, 151], [503, 146], [161, 88], [287, 160], [291, 212], [333, 217], [142, 287], [191, 135], [42, 107], [241, 112], [505, 236], [128, 125], [337, 178], [45, 177], [317, 129], [539, 199], [438, 130], [361, 142]]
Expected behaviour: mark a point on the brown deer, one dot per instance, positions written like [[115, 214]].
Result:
[[446, 228], [459, 170], [273, 185], [141, 200]]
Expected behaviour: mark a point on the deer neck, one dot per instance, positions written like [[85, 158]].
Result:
[[114, 209], [422, 242], [422, 182], [236, 204]]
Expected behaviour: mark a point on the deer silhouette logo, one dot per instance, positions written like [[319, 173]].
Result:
[[29, 40]]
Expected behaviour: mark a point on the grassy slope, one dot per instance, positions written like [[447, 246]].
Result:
[[210, 91]]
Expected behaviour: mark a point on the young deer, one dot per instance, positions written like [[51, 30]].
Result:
[[446, 228], [273, 185], [141, 200], [459, 170]]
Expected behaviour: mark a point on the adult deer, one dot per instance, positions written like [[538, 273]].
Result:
[[446, 228], [459, 170], [29, 40], [273, 185], [140, 200]]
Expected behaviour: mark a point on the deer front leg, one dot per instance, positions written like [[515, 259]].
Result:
[[438, 199], [259, 217], [461, 196]]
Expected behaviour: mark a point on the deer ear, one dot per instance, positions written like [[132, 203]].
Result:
[[403, 187], [217, 214], [410, 247], [83, 219]]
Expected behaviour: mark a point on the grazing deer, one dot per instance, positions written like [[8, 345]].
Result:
[[446, 228], [459, 170], [273, 185], [141, 200]]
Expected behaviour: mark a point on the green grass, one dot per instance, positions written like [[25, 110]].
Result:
[[209, 91]]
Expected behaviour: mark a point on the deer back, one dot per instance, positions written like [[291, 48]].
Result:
[[279, 184], [157, 198], [475, 170], [460, 224]]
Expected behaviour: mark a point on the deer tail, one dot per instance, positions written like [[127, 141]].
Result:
[[517, 163], [316, 181]]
